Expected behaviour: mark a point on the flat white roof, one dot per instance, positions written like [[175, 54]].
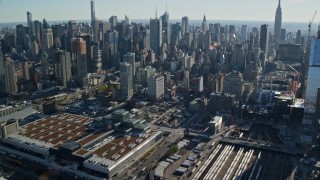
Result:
[[19, 114]]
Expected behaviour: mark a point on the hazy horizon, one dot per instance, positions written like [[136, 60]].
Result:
[[290, 26], [59, 10]]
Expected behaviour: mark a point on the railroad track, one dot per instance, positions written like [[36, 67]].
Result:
[[285, 173], [209, 162], [275, 166], [265, 166]]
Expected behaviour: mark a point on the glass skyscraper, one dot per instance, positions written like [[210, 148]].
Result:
[[313, 82]]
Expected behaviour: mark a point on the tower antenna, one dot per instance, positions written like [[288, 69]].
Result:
[[166, 5], [156, 9]]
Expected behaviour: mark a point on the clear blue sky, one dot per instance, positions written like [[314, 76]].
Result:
[[293, 10]]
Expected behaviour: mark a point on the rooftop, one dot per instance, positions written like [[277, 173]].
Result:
[[19, 114]]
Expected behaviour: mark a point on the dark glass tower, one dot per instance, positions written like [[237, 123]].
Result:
[[156, 35], [93, 12], [30, 25], [277, 24], [264, 39]]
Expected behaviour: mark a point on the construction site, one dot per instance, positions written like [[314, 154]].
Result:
[[230, 162]]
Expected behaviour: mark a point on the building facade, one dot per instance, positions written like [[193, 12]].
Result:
[[3, 89], [126, 81], [264, 38], [155, 87], [156, 35], [47, 36], [277, 24], [79, 57], [234, 84], [313, 83], [62, 68]]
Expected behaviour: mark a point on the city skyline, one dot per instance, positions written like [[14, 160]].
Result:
[[194, 10]]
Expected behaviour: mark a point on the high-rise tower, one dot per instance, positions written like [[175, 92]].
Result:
[[30, 25], [156, 35], [126, 82], [264, 38], [184, 25], [2, 77], [62, 67], [10, 76], [313, 84], [93, 11], [79, 56], [47, 36], [277, 24], [204, 24], [166, 27]]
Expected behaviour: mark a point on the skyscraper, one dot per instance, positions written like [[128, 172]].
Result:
[[2, 78], [47, 36], [21, 34], [113, 39], [184, 25], [156, 35], [204, 24], [58, 30], [283, 35], [62, 68], [243, 33], [93, 11], [130, 58], [313, 83], [166, 28], [72, 28], [277, 24], [155, 86], [238, 60], [113, 20], [97, 58], [126, 81], [264, 38], [175, 33], [44, 65], [127, 20], [78, 49], [232, 29], [298, 37], [234, 84], [37, 31], [199, 84], [97, 35], [10, 76], [30, 25]]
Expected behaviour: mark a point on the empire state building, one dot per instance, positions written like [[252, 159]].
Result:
[[277, 24]]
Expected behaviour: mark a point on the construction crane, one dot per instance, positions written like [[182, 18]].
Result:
[[296, 78], [293, 68], [306, 63]]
